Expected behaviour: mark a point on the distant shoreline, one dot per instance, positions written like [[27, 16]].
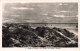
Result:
[[39, 23]]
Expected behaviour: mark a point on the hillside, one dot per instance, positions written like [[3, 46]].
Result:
[[14, 35]]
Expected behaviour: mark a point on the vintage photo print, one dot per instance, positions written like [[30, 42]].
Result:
[[40, 24]]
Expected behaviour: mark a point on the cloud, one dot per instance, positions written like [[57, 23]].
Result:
[[58, 15], [64, 11], [45, 14], [30, 21], [22, 8], [15, 15], [60, 4], [63, 4], [63, 16]]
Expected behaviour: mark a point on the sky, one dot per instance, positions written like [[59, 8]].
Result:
[[40, 13]]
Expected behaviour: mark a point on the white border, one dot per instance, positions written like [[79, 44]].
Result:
[[36, 1]]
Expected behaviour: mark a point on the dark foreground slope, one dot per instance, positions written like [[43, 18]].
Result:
[[14, 35]]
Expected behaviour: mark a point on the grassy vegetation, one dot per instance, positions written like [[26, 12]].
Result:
[[16, 35]]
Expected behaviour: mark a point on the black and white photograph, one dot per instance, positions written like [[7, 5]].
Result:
[[40, 24]]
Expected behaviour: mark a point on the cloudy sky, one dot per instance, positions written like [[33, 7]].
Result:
[[40, 13]]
